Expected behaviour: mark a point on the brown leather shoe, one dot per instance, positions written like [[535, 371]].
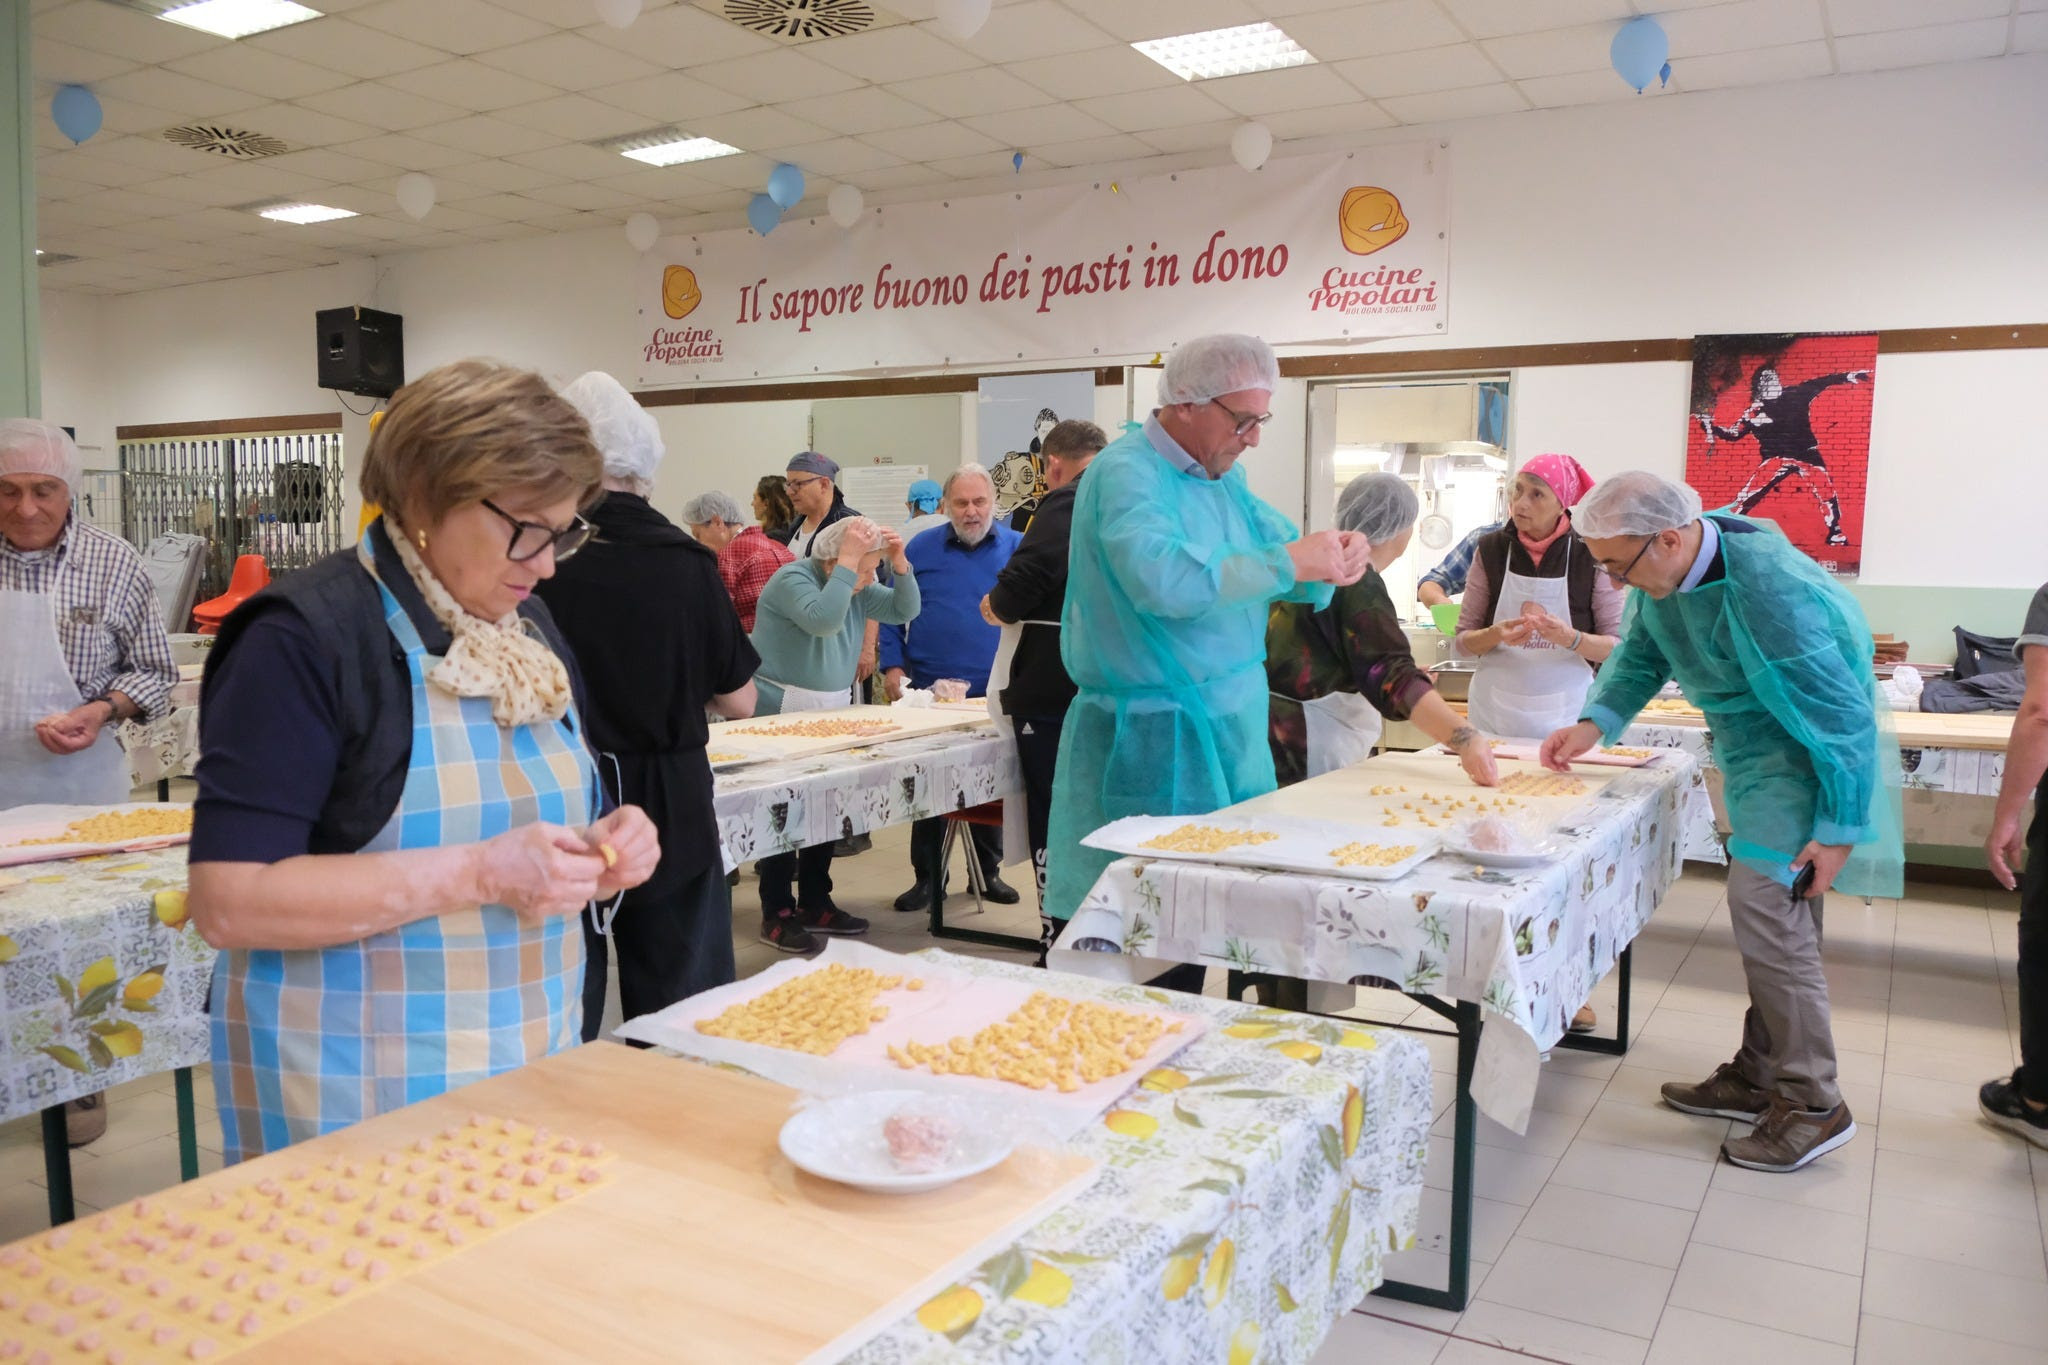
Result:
[[85, 1119], [1723, 1095], [1787, 1137]]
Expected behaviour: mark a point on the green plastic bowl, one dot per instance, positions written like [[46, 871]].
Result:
[[1445, 614]]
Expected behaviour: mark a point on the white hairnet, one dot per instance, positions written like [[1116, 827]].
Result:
[[31, 447], [1208, 367], [825, 545], [1636, 503], [626, 433], [1378, 506], [713, 506]]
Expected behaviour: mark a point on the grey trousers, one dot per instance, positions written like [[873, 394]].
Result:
[[1787, 1043]]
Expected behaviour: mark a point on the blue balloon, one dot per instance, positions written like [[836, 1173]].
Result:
[[1664, 75], [763, 214], [785, 185], [1638, 50], [76, 112], [1016, 161]]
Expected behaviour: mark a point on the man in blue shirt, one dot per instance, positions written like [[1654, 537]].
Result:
[[1447, 579], [956, 566]]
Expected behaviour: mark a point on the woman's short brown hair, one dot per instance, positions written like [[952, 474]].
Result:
[[472, 429]]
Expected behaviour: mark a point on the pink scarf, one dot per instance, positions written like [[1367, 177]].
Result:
[[1568, 481], [1537, 547]]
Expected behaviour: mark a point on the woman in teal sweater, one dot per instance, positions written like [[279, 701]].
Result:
[[808, 630]]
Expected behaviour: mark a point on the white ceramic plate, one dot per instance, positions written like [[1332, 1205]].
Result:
[[841, 1140], [1545, 852]]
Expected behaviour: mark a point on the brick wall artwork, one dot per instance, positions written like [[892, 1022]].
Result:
[[1780, 429]]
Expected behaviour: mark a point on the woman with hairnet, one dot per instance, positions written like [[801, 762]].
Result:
[[1778, 657], [922, 503], [646, 614], [1172, 566], [1335, 670]]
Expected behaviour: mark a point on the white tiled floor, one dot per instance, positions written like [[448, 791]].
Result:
[[1611, 1232]]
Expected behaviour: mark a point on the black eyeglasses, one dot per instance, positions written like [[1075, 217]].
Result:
[[793, 484], [1621, 575], [529, 538], [1245, 421]]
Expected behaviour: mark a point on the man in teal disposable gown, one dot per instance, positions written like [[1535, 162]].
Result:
[[1776, 653], [1172, 565]]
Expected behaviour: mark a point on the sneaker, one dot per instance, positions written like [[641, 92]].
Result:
[[917, 898], [852, 846], [1723, 1095], [830, 919], [85, 1119], [999, 892], [2003, 1107], [787, 933], [1787, 1137]]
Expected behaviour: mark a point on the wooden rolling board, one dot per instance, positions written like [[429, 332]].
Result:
[[1358, 795], [702, 1243], [48, 823], [732, 736], [1983, 731]]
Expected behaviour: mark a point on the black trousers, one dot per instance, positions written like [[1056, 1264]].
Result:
[[928, 837], [1038, 752], [812, 870], [674, 937], [2033, 973]]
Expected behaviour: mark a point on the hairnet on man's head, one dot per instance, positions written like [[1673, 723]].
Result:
[[1636, 503], [625, 433], [1209, 367], [28, 446], [1378, 506], [825, 544], [713, 506]]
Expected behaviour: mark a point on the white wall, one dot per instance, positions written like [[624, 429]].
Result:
[[1904, 199], [73, 394]]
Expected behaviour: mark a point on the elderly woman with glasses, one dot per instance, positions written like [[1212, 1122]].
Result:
[[398, 819]]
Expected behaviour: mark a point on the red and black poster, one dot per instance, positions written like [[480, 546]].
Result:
[[1780, 429]]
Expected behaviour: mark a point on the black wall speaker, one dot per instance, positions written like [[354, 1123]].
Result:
[[361, 351]]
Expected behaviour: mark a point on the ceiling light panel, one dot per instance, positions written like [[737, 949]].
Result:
[[238, 18], [668, 147], [303, 213], [1225, 52]]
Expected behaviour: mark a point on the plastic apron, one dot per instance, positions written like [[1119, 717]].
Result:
[[35, 681], [1527, 691], [808, 698], [310, 1040], [1343, 728]]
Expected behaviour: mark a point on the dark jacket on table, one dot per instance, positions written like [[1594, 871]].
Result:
[[1033, 587]]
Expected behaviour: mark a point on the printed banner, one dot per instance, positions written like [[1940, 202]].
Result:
[[1327, 249], [1780, 429]]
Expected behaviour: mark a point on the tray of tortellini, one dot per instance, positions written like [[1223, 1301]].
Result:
[[34, 834], [1281, 843]]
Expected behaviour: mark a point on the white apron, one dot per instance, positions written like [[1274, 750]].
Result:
[[1343, 728], [1527, 691], [1016, 825], [36, 682], [809, 699]]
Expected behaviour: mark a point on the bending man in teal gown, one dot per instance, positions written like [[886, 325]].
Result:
[[1172, 565], [1776, 653]]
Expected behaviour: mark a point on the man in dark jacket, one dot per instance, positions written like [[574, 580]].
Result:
[[647, 616], [1030, 592]]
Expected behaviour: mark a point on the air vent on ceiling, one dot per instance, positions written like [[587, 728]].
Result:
[[54, 258], [801, 19], [233, 143]]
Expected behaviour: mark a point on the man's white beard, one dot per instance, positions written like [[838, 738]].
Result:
[[974, 537]]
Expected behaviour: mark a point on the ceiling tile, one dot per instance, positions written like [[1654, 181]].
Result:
[[478, 88], [1046, 123], [345, 45], [496, 175], [302, 127], [668, 183], [145, 151], [1134, 20], [1495, 18], [1373, 30], [1080, 74], [586, 197], [1921, 46], [883, 55], [164, 89], [1272, 92], [563, 13], [127, 116], [508, 208], [381, 106], [761, 126], [570, 61], [767, 77], [572, 161], [1795, 61], [1134, 113], [264, 73], [868, 109], [932, 141], [106, 172], [189, 190], [1458, 67], [129, 204], [1036, 28], [575, 118], [1193, 137], [1553, 52], [1740, 26], [835, 156], [2030, 33], [749, 173], [673, 97], [1442, 106], [985, 90], [481, 135], [1871, 16], [1579, 87], [1338, 120], [338, 168], [121, 32], [1095, 151], [682, 35], [895, 178], [63, 64], [458, 26], [408, 153]]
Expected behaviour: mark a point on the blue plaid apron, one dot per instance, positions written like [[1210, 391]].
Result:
[[308, 1041]]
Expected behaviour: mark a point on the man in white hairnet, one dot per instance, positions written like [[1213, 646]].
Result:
[[1777, 656], [646, 615], [1171, 566], [82, 646]]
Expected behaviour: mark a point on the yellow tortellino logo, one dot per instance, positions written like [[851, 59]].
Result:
[[679, 292], [1370, 219]]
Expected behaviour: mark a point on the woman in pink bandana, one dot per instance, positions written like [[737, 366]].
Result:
[[1537, 611]]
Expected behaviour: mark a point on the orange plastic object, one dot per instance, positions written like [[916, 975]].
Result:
[[251, 576]]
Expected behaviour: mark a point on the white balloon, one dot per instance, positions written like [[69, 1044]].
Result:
[[642, 231], [845, 204], [617, 13], [415, 195], [962, 19], [1251, 144]]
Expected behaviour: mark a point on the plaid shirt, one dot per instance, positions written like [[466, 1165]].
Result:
[[109, 624], [1450, 575], [746, 564]]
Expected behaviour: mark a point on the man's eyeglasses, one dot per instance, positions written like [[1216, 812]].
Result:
[[793, 484], [529, 538], [1621, 575], [1246, 421]]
